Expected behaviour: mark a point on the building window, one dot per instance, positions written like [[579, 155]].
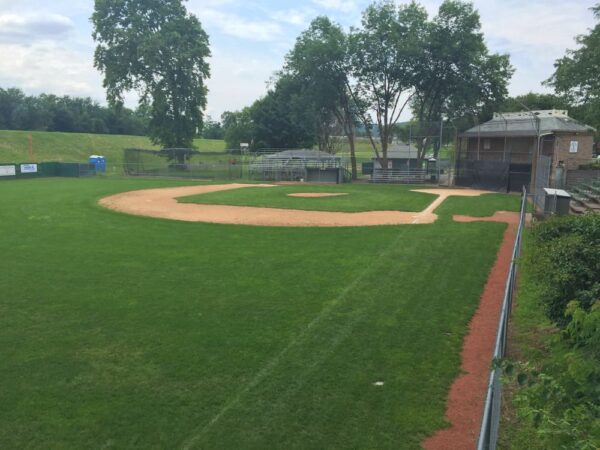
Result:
[[487, 144], [573, 146]]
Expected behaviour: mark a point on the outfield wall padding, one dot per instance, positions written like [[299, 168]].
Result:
[[45, 169]]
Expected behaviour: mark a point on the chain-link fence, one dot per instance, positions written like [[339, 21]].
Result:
[[266, 165], [490, 421]]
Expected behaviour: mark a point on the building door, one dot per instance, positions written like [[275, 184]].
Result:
[[519, 175]]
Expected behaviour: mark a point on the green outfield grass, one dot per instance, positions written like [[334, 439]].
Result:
[[484, 205], [120, 331], [77, 147], [358, 197]]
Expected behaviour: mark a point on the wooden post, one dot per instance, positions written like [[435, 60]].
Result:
[[30, 148]]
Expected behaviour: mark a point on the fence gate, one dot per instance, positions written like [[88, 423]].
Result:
[[519, 175]]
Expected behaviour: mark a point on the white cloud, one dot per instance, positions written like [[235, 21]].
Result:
[[45, 46], [31, 27], [345, 6], [234, 25], [535, 34], [237, 80], [298, 17], [48, 67]]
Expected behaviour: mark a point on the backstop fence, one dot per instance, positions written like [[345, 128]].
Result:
[[265, 165], [490, 421]]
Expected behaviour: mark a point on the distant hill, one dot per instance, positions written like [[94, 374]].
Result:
[[77, 147]]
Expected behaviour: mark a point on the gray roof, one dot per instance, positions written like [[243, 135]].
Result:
[[302, 154], [525, 124]]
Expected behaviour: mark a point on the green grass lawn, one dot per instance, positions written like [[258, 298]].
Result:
[[120, 331], [482, 206], [77, 147], [359, 197]]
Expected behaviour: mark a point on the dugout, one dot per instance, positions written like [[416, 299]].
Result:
[[297, 165]]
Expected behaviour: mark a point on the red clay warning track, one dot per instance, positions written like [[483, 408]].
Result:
[[467, 393]]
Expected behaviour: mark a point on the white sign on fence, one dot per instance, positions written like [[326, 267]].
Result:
[[573, 146], [7, 171], [28, 168]]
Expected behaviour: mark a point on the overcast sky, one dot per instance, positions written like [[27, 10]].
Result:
[[46, 46]]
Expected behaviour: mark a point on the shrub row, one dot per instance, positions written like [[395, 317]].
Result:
[[559, 394]]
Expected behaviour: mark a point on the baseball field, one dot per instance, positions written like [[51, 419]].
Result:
[[123, 331]]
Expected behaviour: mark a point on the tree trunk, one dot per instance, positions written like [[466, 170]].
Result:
[[384, 149], [352, 153]]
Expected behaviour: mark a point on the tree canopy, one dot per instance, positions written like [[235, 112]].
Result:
[[319, 62], [460, 77], [71, 114], [386, 62], [159, 50], [577, 74], [363, 81], [284, 118], [237, 128]]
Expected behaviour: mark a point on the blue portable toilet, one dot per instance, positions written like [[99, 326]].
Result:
[[99, 162]]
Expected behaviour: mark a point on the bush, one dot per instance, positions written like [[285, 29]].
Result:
[[559, 394], [591, 166], [565, 263], [562, 400]]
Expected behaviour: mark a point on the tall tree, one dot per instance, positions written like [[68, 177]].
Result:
[[533, 100], [319, 60], [156, 48], [459, 76], [284, 118], [10, 99], [212, 129], [577, 74], [237, 128], [386, 59]]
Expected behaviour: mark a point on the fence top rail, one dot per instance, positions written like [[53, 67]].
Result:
[[483, 442]]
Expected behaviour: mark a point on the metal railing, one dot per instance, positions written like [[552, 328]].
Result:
[[490, 421], [399, 176]]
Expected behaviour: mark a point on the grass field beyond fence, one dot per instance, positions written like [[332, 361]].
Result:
[[77, 147], [120, 331]]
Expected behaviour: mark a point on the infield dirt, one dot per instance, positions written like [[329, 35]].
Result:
[[162, 203]]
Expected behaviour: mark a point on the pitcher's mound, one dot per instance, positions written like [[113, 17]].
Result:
[[317, 194]]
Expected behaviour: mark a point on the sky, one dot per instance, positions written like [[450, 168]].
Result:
[[46, 46]]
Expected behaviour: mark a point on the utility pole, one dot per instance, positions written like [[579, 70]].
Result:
[[536, 152]]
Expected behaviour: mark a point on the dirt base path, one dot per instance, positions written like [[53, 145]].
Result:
[[163, 203], [467, 393]]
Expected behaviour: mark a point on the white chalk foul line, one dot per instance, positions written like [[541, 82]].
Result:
[[298, 340]]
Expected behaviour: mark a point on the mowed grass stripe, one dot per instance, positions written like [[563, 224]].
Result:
[[321, 395], [129, 332], [324, 347]]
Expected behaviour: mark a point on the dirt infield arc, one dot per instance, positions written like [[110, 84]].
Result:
[[162, 203]]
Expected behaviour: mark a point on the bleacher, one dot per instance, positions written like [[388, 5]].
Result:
[[585, 197]]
